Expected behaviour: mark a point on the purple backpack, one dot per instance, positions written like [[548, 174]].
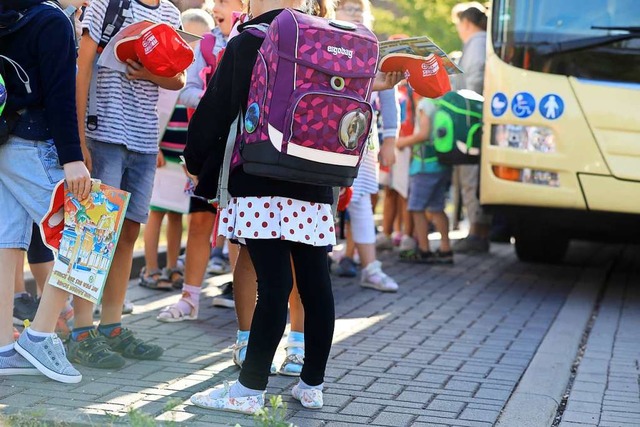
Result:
[[308, 117]]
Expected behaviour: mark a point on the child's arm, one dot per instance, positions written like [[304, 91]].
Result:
[[86, 57], [136, 71], [194, 87], [390, 110], [420, 134]]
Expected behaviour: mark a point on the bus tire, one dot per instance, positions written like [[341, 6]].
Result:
[[540, 245]]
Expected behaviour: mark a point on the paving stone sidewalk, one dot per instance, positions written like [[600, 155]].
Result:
[[447, 349], [606, 388]]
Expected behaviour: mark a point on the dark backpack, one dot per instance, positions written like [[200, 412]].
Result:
[[9, 119], [457, 128]]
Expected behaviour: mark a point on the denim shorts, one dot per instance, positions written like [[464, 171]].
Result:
[[127, 170], [29, 170], [428, 191]]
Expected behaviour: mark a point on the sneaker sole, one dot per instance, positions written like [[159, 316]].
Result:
[[289, 374], [19, 371], [224, 303], [375, 288], [18, 322], [67, 379], [223, 409]]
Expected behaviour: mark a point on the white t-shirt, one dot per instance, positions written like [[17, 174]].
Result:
[[127, 109]]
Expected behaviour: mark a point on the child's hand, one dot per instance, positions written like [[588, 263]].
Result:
[[136, 71], [78, 179], [387, 152], [385, 81], [160, 161]]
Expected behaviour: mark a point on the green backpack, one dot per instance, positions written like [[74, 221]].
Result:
[[457, 128]]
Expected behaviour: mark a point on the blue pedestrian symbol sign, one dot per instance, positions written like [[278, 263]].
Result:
[[523, 105], [551, 106], [499, 104]]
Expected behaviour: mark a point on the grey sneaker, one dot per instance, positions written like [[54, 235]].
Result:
[[471, 245], [12, 363], [49, 357]]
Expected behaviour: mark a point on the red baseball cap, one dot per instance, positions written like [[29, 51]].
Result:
[[426, 75], [52, 224], [158, 47]]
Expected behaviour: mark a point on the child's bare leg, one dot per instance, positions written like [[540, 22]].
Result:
[[116, 286], [441, 223], [421, 226], [151, 241], [41, 272], [51, 304], [174, 238], [390, 210], [9, 259], [245, 288], [198, 247]]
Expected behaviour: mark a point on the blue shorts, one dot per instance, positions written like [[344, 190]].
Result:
[[127, 170], [29, 170], [428, 191]]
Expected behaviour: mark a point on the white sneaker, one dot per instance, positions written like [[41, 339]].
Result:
[[218, 398], [310, 398], [373, 277], [218, 265], [407, 243], [384, 242]]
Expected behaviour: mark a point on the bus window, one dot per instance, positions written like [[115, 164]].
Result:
[[582, 38]]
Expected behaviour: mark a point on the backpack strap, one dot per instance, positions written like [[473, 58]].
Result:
[[114, 17], [207, 44], [258, 30], [223, 181]]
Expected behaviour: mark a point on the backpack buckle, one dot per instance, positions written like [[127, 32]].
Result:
[[92, 123]]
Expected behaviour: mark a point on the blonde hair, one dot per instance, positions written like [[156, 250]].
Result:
[[198, 16], [367, 15]]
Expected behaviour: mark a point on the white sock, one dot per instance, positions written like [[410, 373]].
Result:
[[238, 390], [304, 386], [33, 333], [191, 293]]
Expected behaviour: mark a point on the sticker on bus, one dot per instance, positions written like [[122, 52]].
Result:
[[551, 106], [523, 105], [499, 104]]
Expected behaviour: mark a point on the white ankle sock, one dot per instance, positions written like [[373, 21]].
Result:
[[238, 390], [304, 386], [191, 293], [33, 333]]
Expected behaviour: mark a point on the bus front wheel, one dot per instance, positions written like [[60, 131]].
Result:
[[540, 244]]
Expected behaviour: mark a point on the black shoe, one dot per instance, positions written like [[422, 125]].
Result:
[[24, 308], [225, 299], [440, 257]]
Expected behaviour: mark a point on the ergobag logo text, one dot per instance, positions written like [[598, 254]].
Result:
[[308, 116], [340, 51]]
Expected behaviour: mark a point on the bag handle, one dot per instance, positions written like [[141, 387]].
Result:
[[223, 181]]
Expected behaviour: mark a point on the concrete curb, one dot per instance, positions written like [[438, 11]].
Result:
[[550, 369]]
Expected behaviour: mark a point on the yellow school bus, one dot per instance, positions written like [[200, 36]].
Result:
[[561, 142]]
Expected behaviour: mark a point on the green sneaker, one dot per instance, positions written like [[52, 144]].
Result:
[[122, 341], [94, 352]]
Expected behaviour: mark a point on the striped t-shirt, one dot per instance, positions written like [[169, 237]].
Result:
[[127, 109]]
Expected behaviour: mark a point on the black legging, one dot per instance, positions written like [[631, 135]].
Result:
[[272, 261]]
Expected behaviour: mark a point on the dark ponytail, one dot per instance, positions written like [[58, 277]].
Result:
[[475, 16]]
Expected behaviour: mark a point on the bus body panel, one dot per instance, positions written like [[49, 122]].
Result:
[[576, 150], [608, 194], [613, 113]]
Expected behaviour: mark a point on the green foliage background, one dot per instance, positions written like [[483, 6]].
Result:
[[430, 18]]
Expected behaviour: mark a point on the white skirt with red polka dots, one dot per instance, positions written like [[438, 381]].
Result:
[[278, 218]]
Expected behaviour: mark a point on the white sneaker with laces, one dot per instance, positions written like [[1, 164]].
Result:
[[407, 243], [384, 242], [310, 398], [373, 277], [218, 398]]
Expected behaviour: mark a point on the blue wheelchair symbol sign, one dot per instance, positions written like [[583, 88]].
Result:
[[551, 106], [499, 104], [523, 105]]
